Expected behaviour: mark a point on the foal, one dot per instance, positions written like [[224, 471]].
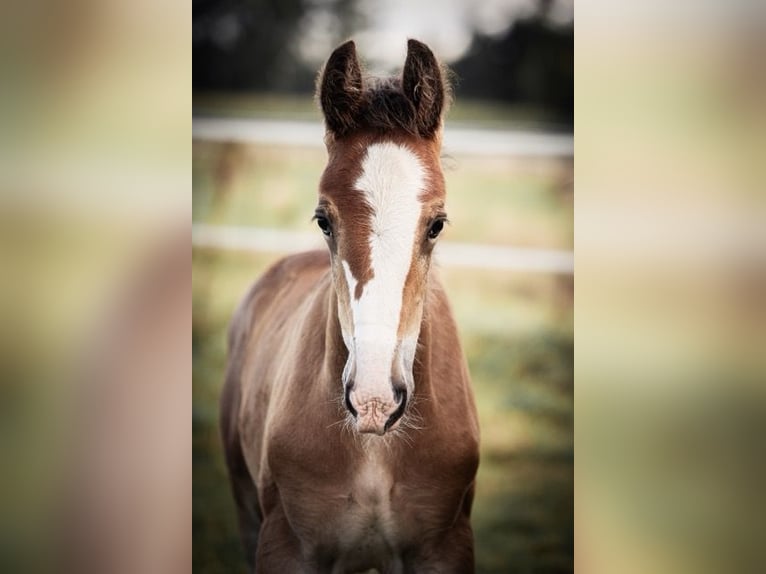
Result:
[[347, 415]]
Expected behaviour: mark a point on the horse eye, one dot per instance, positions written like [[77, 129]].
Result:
[[435, 229], [324, 225]]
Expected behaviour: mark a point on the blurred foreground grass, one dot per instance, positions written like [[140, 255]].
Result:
[[516, 331]]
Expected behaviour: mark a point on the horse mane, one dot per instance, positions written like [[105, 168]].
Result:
[[387, 108]]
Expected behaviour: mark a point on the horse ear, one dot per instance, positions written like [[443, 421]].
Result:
[[340, 89], [424, 85]]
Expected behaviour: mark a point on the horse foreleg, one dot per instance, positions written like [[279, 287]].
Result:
[[451, 554], [279, 548], [242, 485]]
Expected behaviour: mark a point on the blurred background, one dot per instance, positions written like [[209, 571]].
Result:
[[95, 286], [506, 259], [670, 322]]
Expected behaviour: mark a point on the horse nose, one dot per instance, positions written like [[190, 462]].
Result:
[[400, 395], [347, 401], [375, 414]]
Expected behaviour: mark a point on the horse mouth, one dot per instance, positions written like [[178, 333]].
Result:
[[374, 418]]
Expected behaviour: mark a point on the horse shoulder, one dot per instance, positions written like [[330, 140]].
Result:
[[275, 285], [256, 342]]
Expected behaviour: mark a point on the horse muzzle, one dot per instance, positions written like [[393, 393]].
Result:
[[374, 414]]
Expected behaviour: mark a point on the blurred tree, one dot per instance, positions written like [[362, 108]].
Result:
[[254, 44], [247, 45], [277, 46], [531, 63]]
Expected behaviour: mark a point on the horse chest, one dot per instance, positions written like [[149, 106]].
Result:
[[376, 526], [353, 524], [369, 514]]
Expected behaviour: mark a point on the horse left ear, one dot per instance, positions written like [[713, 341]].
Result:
[[424, 85], [340, 89]]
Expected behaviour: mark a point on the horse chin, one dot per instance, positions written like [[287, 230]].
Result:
[[371, 422], [369, 427]]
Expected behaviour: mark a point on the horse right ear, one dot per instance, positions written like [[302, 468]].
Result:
[[424, 85], [340, 89]]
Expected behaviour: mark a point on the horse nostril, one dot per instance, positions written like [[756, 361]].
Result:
[[401, 397], [347, 401]]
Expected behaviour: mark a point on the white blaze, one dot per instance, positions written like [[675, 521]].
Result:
[[392, 180]]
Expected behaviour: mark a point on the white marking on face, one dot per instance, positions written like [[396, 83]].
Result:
[[351, 284], [391, 182]]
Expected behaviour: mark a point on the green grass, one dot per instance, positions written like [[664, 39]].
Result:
[[516, 331]]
